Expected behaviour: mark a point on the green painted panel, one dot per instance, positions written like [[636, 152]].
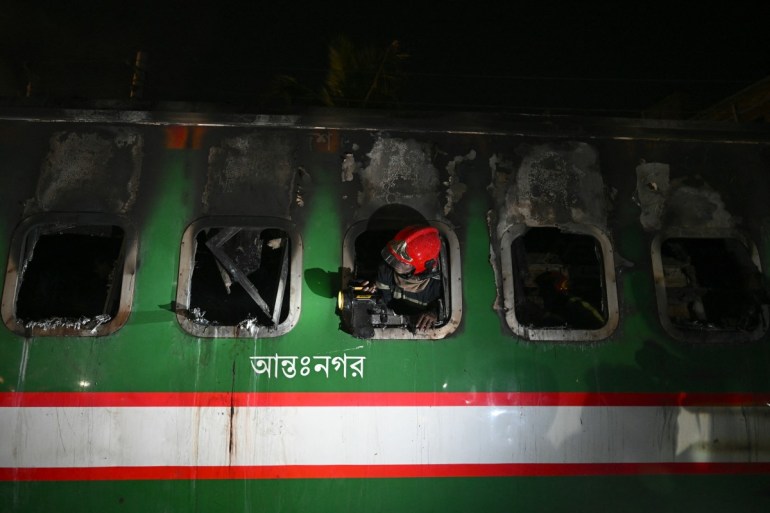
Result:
[[660, 493]]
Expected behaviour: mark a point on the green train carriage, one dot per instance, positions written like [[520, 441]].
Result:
[[172, 337]]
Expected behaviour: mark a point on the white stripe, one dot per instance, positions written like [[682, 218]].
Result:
[[189, 436]]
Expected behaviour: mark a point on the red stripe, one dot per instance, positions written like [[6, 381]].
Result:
[[376, 471], [351, 399]]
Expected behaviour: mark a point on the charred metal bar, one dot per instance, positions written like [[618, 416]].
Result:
[[218, 241], [282, 281], [215, 244], [447, 299]]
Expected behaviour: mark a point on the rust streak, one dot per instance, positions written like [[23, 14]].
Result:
[[231, 438]]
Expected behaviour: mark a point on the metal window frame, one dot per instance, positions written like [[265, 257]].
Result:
[[14, 273], [559, 334], [187, 263], [694, 334], [453, 289]]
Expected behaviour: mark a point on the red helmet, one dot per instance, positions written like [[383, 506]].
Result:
[[414, 250]]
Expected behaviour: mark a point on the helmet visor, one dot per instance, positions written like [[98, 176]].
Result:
[[398, 266]]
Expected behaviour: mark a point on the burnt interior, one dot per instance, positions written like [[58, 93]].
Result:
[[558, 280], [241, 274], [71, 273], [712, 283], [368, 248]]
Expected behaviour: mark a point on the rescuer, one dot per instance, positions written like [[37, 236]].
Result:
[[408, 278]]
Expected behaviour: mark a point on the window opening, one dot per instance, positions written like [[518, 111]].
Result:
[[71, 277], [712, 284], [363, 312], [240, 277], [558, 280]]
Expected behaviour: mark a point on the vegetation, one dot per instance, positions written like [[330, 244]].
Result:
[[357, 76]]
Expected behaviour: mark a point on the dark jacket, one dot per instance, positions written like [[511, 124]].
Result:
[[406, 302]]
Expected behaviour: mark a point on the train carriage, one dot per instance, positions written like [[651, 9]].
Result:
[[182, 329]]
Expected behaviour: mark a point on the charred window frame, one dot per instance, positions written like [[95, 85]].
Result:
[[361, 256], [70, 275], [239, 277], [710, 287], [537, 307]]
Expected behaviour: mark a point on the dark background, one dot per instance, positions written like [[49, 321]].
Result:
[[598, 58]]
